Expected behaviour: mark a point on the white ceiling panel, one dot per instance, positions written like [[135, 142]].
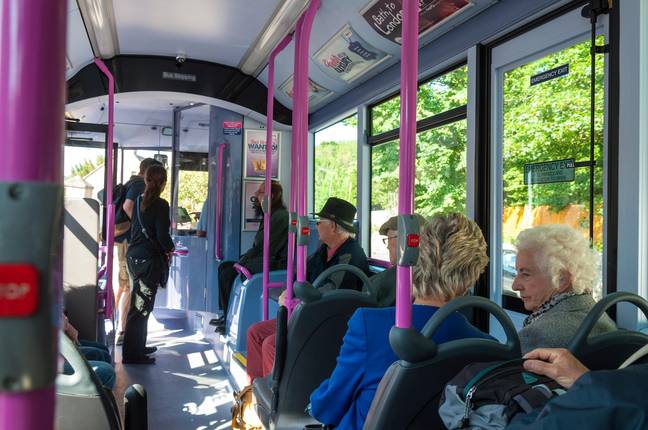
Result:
[[79, 51], [219, 31]]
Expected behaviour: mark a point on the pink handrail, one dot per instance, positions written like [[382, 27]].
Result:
[[301, 105], [243, 271], [110, 209], [32, 99], [409, 72], [294, 165], [219, 203], [268, 173]]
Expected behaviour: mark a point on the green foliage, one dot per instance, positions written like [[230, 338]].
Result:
[[192, 189], [336, 170], [83, 168]]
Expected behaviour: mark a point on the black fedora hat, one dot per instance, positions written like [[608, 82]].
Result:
[[339, 211]]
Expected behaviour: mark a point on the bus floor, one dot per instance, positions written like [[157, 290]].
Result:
[[187, 387]]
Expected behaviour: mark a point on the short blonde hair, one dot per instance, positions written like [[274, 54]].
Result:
[[452, 255], [558, 247]]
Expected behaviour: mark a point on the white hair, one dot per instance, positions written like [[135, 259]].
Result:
[[557, 248]]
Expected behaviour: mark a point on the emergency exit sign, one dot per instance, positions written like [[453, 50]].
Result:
[[549, 171]]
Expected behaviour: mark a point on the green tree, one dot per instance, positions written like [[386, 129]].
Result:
[[83, 168]]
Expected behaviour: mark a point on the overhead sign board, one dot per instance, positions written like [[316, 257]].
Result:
[[549, 172]]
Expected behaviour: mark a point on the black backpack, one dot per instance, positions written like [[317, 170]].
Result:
[[488, 395]]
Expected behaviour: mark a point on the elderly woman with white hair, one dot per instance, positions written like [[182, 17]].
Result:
[[452, 255], [556, 271]]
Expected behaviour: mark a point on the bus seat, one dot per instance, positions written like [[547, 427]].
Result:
[[81, 400], [135, 408], [408, 395], [246, 307], [306, 353], [608, 350], [80, 252]]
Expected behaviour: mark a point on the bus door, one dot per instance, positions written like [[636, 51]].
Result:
[[544, 169]]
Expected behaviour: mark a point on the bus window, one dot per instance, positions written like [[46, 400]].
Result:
[[546, 149], [440, 153], [336, 162], [193, 179]]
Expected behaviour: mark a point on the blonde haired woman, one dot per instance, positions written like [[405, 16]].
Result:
[[452, 256]]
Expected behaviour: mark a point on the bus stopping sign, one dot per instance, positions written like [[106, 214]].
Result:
[[549, 171], [18, 290]]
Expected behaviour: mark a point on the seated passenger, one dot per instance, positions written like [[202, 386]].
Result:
[[96, 353], [556, 271], [253, 258], [383, 284], [602, 399], [452, 255], [339, 246]]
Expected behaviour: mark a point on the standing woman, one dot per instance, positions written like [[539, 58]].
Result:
[[148, 256]]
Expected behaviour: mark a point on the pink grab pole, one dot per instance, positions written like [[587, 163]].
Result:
[[301, 105], [32, 42], [219, 203], [294, 184], [110, 210], [268, 173], [409, 72]]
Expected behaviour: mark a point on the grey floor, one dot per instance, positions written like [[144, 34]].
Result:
[[187, 387]]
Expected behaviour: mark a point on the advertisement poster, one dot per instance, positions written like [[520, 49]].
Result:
[[252, 216], [386, 16], [346, 55], [316, 92], [255, 153]]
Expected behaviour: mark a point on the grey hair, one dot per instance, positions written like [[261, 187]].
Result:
[[452, 255], [343, 231], [558, 247]]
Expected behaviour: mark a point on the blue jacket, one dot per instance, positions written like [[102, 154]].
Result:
[[344, 399]]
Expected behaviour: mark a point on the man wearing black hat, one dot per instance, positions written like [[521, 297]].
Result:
[[339, 246]]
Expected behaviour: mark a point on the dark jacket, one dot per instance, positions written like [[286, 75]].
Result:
[[600, 400], [557, 327], [383, 287], [253, 257], [350, 252], [156, 221]]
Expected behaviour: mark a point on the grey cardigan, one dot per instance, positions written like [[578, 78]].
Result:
[[557, 327]]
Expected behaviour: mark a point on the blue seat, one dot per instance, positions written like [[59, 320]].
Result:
[[246, 307]]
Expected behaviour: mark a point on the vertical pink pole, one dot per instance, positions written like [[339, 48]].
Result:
[[409, 71], [268, 173], [32, 99], [219, 202], [110, 212], [301, 105], [294, 166]]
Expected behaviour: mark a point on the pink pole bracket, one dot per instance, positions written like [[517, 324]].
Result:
[[268, 172], [243, 271], [110, 212]]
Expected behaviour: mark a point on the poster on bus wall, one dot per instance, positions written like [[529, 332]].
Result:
[[316, 92], [346, 55], [255, 154], [386, 16], [252, 215]]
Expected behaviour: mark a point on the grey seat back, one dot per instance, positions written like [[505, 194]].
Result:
[[307, 350], [608, 350], [81, 401], [80, 251], [408, 395]]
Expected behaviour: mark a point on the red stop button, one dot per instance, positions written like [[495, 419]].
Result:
[[413, 240], [305, 231], [18, 290]]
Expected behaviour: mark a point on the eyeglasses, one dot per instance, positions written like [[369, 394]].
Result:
[[385, 240]]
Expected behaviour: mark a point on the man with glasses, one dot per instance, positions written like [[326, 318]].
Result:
[[383, 284]]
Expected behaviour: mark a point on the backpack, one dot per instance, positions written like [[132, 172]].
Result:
[[244, 416], [488, 395], [122, 221]]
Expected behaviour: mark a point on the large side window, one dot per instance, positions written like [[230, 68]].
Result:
[[193, 177], [336, 162], [440, 153]]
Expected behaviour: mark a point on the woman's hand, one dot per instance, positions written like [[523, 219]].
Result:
[[556, 363]]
